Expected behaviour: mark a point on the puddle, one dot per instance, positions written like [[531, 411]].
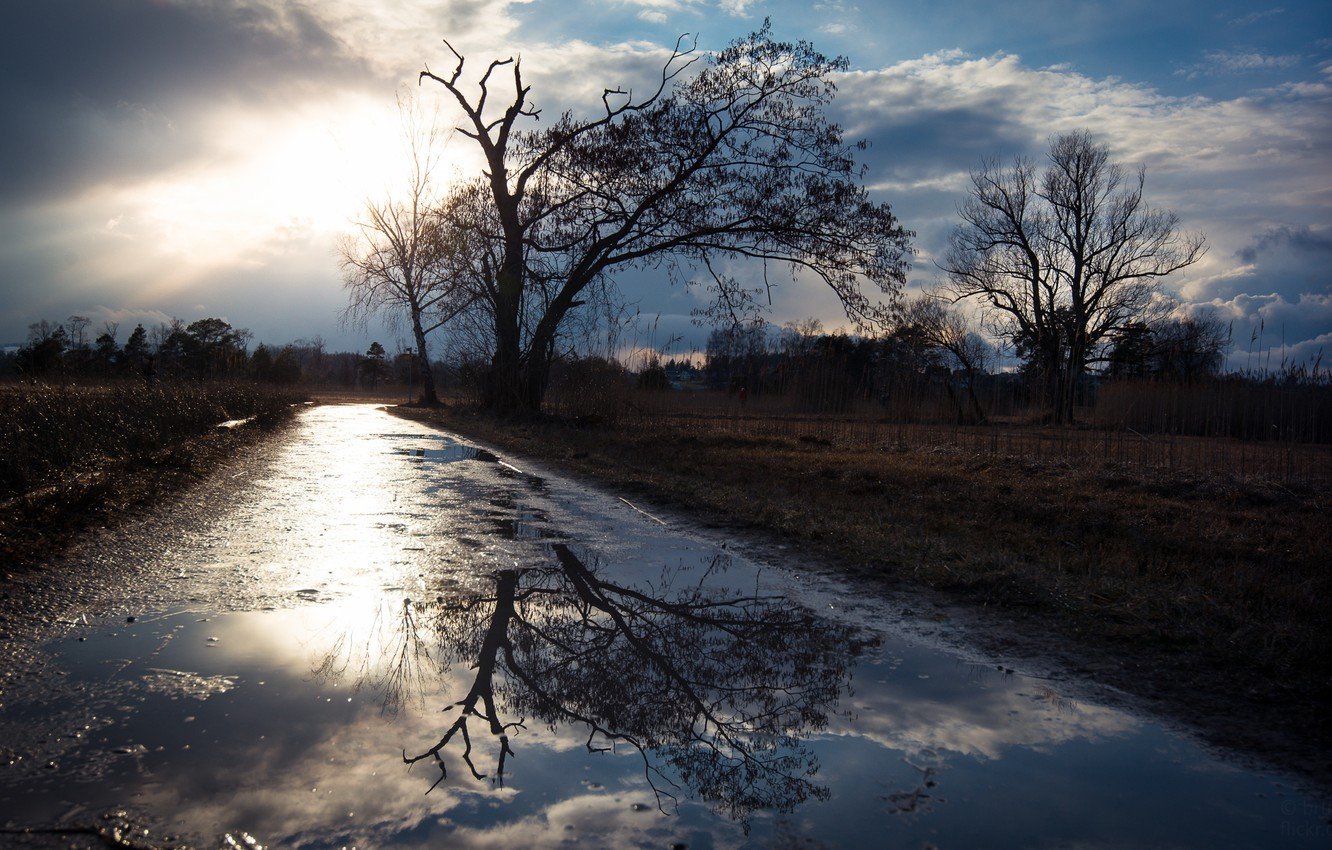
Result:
[[561, 670]]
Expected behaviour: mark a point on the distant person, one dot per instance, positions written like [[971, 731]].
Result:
[[744, 394], [150, 370]]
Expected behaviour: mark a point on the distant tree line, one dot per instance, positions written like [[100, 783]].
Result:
[[928, 355], [929, 365], [206, 349]]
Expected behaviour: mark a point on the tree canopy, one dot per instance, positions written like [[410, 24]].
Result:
[[731, 157]]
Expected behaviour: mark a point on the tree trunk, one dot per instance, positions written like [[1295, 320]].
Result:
[[535, 379], [428, 393], [502, 389], [975, 402], [1077, 356], [519, 379], [1053, 385]]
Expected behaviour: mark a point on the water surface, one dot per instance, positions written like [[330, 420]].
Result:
[[561, 670]]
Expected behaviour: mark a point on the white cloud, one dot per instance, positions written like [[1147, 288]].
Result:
[[1314, 353], [1238, 169], [397, 38], [1274, 311], [663, 6], [984, 727], [1238, 62], [1269, 331], [836, 16], [127, 318], [1254, 17], [736, 8]]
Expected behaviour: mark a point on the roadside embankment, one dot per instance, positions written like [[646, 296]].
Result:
[[77, 457], [1206, 595]]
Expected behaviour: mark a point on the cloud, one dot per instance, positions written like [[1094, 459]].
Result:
[[735, 8], [1284, 259], [661, 7], [1217, 62], [126, 318], [1269, 331], [1254, 17], [836, 16], [981, 724], [1314, 353], [1303, 239], [573, 75], [123, 94], [134, 83], [951, 108]]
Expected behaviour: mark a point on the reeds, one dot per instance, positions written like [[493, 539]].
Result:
[[1289, 410]]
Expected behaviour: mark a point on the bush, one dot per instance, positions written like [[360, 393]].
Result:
[[589, 388]]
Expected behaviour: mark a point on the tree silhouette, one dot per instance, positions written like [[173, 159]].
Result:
[[1063, 259], [401, 263], [735, 160], [713, 690]]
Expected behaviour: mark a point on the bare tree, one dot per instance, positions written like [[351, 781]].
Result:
[[77, 327], [734, 160], [929, 323], [713, 689], [402, 260], [1064, 258]]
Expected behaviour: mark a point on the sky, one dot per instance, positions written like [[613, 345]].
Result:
[[196, 158]]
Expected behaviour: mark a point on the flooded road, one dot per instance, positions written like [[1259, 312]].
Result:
[[374, 634]]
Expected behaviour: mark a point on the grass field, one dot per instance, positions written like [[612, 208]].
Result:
[[707, 413]]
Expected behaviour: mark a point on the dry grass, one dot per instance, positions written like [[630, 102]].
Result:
[[56, 433], [79, 457], [388, 394], [1159, 453], [1185, 585], [704, 414]]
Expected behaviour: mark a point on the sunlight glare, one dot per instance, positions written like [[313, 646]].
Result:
[[275, 185]]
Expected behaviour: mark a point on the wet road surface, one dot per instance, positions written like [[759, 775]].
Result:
[[560, 669]]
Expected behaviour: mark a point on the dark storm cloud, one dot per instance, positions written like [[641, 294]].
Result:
[[927, 140], [1298, 240], [1283, 262], [93, 89]]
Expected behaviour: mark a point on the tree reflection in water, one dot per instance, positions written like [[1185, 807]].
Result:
[[713, 690]]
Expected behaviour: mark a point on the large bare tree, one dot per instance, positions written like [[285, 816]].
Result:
[[729, 157], [716, 691], [1064, 258]]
